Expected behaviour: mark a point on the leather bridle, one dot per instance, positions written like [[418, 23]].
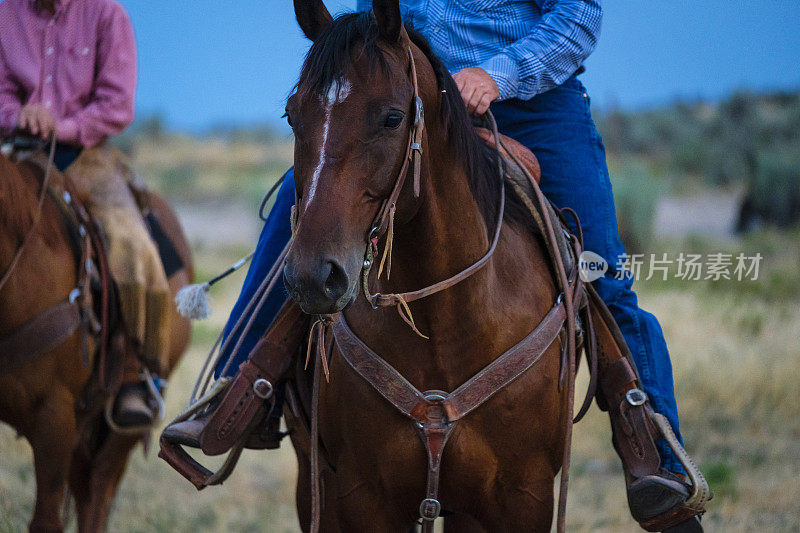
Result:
[[383, 225]]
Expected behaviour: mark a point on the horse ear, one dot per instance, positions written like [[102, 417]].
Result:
[[312, 16], [387, 14]]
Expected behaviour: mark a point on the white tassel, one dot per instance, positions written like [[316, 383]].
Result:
[[193, 301]]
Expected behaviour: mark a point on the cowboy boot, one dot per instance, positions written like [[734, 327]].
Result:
[[248, 407], [132, 407], [658, 499]]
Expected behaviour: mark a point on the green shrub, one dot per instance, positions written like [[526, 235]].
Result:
[[636, 193]]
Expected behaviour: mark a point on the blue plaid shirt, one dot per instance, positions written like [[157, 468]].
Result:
[[527, 46]]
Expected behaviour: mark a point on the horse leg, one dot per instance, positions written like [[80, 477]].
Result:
[[97, 480], [354, 511], [52, 438]]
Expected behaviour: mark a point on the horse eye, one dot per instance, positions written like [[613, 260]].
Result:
[[393, 120]]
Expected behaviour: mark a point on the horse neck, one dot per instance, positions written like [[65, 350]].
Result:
[[16, 209], [449, 233]]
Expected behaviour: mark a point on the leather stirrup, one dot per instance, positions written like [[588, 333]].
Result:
[[244, 399]]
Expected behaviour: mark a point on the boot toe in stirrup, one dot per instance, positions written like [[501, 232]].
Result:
[[650, 496], [186, 433], [132, 408]]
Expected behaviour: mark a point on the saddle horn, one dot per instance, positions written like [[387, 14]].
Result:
[[312, 16], [390, 22]]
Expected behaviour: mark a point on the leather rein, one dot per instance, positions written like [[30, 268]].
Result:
[[435, 413], [40, 204]]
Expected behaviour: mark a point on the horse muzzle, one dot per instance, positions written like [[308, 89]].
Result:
[[323, 287]]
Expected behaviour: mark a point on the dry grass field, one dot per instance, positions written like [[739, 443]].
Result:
[[737, 370], [736, 358]]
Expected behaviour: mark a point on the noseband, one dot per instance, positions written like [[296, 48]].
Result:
[[384, 220]]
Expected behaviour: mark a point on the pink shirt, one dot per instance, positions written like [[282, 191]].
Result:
[[80, 63]]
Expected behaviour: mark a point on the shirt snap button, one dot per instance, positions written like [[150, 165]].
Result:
[[49, 50]]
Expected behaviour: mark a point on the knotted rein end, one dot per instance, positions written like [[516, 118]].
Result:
[[322, 322]]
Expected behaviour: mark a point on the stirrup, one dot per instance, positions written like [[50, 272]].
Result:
[[695, 504], [179, 459], [701, 492]]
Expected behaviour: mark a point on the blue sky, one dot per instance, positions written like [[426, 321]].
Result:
[[210, 62]]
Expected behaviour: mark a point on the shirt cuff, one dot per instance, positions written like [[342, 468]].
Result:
[[69, 131], [505, 73]]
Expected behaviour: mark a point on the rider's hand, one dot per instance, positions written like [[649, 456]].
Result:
[[478, 89], [36, 119]]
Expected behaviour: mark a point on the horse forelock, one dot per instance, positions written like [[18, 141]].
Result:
[[355, 35]]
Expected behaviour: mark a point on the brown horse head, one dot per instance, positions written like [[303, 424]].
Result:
[[351, 115]]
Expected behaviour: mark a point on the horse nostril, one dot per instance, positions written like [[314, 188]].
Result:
[[336, 283]]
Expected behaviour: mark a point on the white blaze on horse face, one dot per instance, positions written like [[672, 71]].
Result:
[[336, 94]]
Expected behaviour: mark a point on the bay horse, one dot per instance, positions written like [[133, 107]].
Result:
[[351, 114], [44, 399]]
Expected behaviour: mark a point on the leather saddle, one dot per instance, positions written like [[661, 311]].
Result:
[[519, 159], [513, 150], [93, 307]]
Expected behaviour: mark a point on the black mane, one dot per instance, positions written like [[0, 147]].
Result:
[[330, 56]]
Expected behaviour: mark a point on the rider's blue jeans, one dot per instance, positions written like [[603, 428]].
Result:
[[557, 126], [274, 236]]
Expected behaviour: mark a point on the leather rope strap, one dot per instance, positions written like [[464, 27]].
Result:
[[92, 241], [325, 349], [385, 219]]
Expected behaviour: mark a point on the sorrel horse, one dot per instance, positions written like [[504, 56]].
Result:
[[352, 112], [44, 400]]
